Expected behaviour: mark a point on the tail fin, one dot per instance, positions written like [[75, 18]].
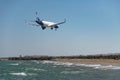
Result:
[[38, 19]]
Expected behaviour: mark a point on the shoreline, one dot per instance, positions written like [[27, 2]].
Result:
[[102, 59], [103, 62]]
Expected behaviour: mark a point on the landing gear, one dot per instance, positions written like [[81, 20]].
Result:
[[56, 27], [43, 28], [52, 28]]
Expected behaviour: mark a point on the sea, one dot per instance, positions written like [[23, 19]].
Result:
[[54, 70]]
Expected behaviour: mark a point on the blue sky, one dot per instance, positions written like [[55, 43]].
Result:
[[92, 27]]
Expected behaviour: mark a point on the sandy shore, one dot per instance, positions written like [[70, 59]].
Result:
[[92, 61]]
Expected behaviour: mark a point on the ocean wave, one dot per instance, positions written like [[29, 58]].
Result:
[[35, 61], [35, 69], [14, 64], [45, 62], [19, 74], [70, 72], [107, 67], [32, 74], [68, 64], [94, 66]]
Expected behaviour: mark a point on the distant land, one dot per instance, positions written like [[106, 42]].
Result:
[[37, 57]]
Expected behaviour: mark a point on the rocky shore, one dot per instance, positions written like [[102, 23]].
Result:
[[100, 56], [113, 59]]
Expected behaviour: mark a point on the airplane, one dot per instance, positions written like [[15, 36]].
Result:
[[46, 24]]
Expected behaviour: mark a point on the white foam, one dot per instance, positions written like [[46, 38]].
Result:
[[32, 74], [14, 64], [107, 67], [19, 74], [36, 61], [46, 62], [98, 66], [70, 72], [95, 66], [35, 69], [58, 63]]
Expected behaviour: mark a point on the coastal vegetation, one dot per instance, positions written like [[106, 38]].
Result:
[[98, 56]]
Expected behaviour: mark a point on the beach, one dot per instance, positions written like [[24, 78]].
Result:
[[103, 62]]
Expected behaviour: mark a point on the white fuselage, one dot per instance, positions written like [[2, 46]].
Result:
[[48, 24]]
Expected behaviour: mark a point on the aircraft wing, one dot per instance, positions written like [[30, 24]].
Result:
[[61, 22]]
